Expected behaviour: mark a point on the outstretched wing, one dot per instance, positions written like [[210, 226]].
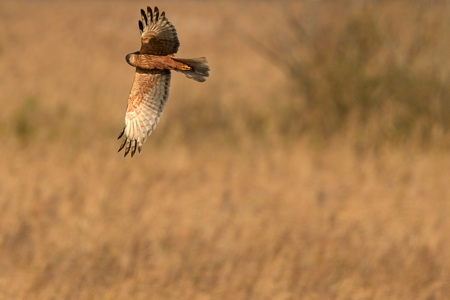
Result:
[[158, 35], [147, 99]]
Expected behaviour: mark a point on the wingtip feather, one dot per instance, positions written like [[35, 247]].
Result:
[[130, 147], [150, 13], [144, 17], [121, 134], [123, 145], [156, 13]]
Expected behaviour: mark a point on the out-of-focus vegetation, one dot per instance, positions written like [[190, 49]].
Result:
[[376, 69], [312, 164]]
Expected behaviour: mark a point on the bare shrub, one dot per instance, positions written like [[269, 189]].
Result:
[[372, 68]]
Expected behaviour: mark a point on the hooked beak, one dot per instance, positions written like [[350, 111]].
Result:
[[129, 58]]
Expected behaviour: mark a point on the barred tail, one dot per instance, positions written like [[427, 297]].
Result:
[[199, 68]]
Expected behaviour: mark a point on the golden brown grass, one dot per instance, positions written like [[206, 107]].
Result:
[[192, 224], [222, 203]]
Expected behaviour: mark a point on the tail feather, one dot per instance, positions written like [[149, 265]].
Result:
[[199, 68]]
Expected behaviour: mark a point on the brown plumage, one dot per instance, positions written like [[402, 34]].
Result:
[[150, 90]]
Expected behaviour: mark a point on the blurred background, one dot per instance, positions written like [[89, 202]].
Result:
[[312, 164]]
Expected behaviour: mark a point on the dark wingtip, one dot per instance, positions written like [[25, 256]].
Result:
[[144, 17], [150, 13], [123, 145], [131, 147], [121, 134], [127, 150], [134, 147], [156, 13]]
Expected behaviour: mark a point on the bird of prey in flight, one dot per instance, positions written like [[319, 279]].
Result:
[[150, 89]]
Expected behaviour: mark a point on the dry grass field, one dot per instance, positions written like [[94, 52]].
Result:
[[304, 168]]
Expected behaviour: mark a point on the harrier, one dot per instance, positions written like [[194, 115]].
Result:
[[150, 89]]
